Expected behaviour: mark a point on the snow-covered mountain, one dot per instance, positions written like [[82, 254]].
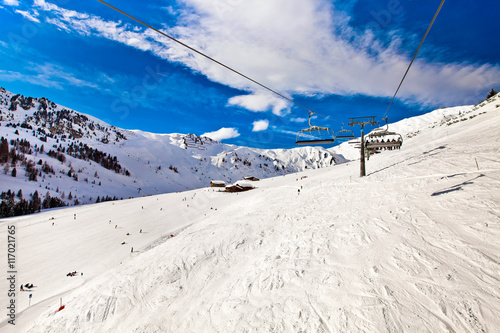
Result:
[[77, 158], [412, 247]]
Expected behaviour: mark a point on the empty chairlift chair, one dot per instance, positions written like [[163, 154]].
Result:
[[344, 134], [315, 135]]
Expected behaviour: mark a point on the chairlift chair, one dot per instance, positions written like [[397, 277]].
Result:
[[380, 138], [344, 134], [315, 135]]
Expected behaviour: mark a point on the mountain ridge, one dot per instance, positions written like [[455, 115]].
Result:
[[52, 142]]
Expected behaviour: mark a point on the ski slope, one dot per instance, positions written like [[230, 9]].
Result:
[[412, 247]]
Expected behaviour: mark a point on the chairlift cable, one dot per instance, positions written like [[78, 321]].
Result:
[[414, 56], [204, 55]]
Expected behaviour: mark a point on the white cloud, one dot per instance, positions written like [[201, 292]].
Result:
[[260, 125], [260, 102], [14, 3], [297, 48], [292, 48], [223, 133], [298, 120], [30, 16]]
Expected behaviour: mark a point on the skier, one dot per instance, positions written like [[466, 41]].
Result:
[[132, 250]]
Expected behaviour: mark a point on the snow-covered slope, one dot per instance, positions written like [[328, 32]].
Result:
[[412, 247], [61, 151]]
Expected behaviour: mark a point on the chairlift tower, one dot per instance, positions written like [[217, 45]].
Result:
[[362, 121]]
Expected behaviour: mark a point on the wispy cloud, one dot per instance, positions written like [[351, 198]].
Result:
[[30, 16], [58, 23], [60, 74], [47, 75], [298, 120], [317, 54], [39, 80], [260, 125], [222, 134], [287, 132]]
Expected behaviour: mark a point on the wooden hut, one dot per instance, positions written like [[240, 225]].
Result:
[[252, 178], [217, 183], [239, 187]]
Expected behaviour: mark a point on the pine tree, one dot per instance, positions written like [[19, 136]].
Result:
[[492, 93], [21, 208], [4, 150], [14, 172], [35, 203], [46, 201]]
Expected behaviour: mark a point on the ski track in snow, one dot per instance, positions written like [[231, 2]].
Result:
[[413, 247]]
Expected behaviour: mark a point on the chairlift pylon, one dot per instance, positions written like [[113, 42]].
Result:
[[315, 135]]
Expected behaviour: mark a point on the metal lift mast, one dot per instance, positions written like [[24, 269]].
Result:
[[362, 121]]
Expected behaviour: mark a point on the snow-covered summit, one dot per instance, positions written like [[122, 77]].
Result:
[[60, 151]]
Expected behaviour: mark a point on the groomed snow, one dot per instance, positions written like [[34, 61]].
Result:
[[413, 247]]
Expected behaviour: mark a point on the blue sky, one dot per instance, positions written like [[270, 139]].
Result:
[[338, 58]]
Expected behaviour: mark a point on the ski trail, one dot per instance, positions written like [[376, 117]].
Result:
[[323, 322]]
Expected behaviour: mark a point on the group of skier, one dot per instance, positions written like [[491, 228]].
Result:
[[393, 141], [27, 286], [73, 274]]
